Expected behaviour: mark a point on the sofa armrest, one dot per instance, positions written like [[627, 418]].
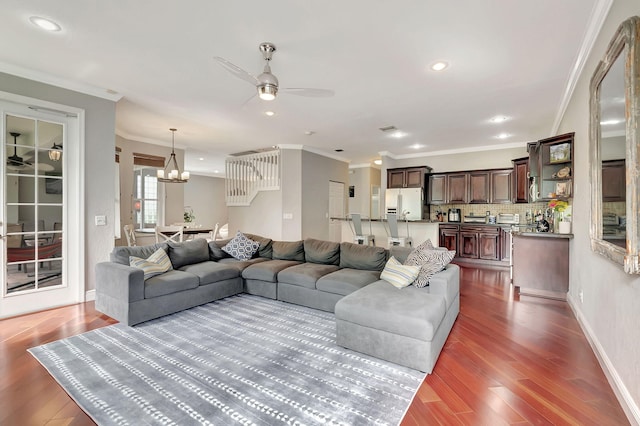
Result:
[[446, 283], [122, 282]]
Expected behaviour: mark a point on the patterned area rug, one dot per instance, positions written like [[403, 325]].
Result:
[[241, 360]]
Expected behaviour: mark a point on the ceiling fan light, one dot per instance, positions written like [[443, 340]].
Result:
[[267, 92]]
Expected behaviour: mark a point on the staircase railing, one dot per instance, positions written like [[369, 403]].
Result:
[[249, 174]]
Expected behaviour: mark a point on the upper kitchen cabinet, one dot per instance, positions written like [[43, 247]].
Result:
[[556, 167], [520, 180], [437, 189], [479, 187], [409, 177], [614, 184], [501, 186], [457, 185]]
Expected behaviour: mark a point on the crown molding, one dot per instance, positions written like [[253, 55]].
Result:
[[596, 21], [59, 82], [314, 151], [360, 165], [453, 151]]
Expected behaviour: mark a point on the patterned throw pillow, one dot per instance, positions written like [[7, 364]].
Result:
[[241, 247], [155, 264], [430, 260], [399, 275]]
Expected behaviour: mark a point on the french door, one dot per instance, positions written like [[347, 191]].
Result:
[[34, 218]]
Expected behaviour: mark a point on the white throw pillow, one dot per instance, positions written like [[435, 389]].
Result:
[[399, 275], [155, 264], [241, 247]]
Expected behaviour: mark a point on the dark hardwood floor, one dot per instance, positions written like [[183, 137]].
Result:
[[508, 360]]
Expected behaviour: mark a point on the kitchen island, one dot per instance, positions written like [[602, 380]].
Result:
[[541, 264]]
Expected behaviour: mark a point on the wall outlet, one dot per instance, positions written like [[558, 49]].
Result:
[[581, 295]]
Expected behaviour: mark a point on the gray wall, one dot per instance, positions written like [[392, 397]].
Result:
[[205, 196], [262, 217], [98, 155], [318, 171], [611, 309], [291, 191]]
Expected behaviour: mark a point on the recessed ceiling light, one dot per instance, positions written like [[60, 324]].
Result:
[[503, 135], [216, 171], [269, 113], [499, 119], [201, 158], [439, 66], [398, 134], [377, 162], [417, 146], [611, 122], [45, 24]]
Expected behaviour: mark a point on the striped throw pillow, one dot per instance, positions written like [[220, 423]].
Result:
[[399, 275], [155, 264], [430, 262]]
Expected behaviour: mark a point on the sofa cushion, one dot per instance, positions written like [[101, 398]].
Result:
[[121, 254], [412, 312], [215, 250], [169, 282], [241, 247], [240, 265], [399, 275], [358, 256], [288, 250], [267, 271], [265, 250], [325, 252], [430, 261], [305, 274], [346, 281], [188, 252], [211, 272], [155, 264]]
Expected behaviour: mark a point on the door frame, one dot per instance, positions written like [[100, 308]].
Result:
[[73, 205]]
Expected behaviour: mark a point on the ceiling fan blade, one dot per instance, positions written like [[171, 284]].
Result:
[[306, 91], [237, 71]]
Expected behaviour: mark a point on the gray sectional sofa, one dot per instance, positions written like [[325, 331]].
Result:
[[337, 277]]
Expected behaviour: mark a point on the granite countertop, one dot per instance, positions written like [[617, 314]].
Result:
[[541, 235]]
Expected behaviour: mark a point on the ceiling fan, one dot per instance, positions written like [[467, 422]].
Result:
[[15, 162], [267, 83]]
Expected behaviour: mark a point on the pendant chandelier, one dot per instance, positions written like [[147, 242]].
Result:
[[171, 172]]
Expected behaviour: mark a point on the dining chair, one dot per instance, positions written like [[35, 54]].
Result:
[[223, 231], [169, 233], [213, 235], [130, 233]]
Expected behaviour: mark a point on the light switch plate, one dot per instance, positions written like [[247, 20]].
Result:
[[287, 215], [101, 220]]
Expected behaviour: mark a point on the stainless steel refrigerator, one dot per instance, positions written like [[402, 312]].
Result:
[[404, 202]]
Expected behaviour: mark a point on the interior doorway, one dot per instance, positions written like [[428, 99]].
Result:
[[336, 210]]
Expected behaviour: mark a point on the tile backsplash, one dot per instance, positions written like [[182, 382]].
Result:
[[481, 209]]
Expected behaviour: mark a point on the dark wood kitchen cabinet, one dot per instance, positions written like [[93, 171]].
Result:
[[480, 242], [614, 181], [457, 184], [449, 237], [501, 186], [520, 180], [410, 177], [437, 193], [479, 187]]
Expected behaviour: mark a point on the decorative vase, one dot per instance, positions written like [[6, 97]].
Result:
[[564, 227]]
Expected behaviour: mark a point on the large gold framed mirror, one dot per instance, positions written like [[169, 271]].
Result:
[[615, 140]]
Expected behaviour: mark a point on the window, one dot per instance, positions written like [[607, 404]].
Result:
[[146, 201]]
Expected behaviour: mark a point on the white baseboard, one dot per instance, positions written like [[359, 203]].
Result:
[[625, 399], [90, 295]]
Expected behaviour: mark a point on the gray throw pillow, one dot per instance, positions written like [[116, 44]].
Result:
[[358, 256], [323, 252], [215, 250], [188, 252], [265, 249], [288, 250]]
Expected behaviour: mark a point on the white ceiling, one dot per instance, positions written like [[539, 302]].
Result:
[[512, 58]]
